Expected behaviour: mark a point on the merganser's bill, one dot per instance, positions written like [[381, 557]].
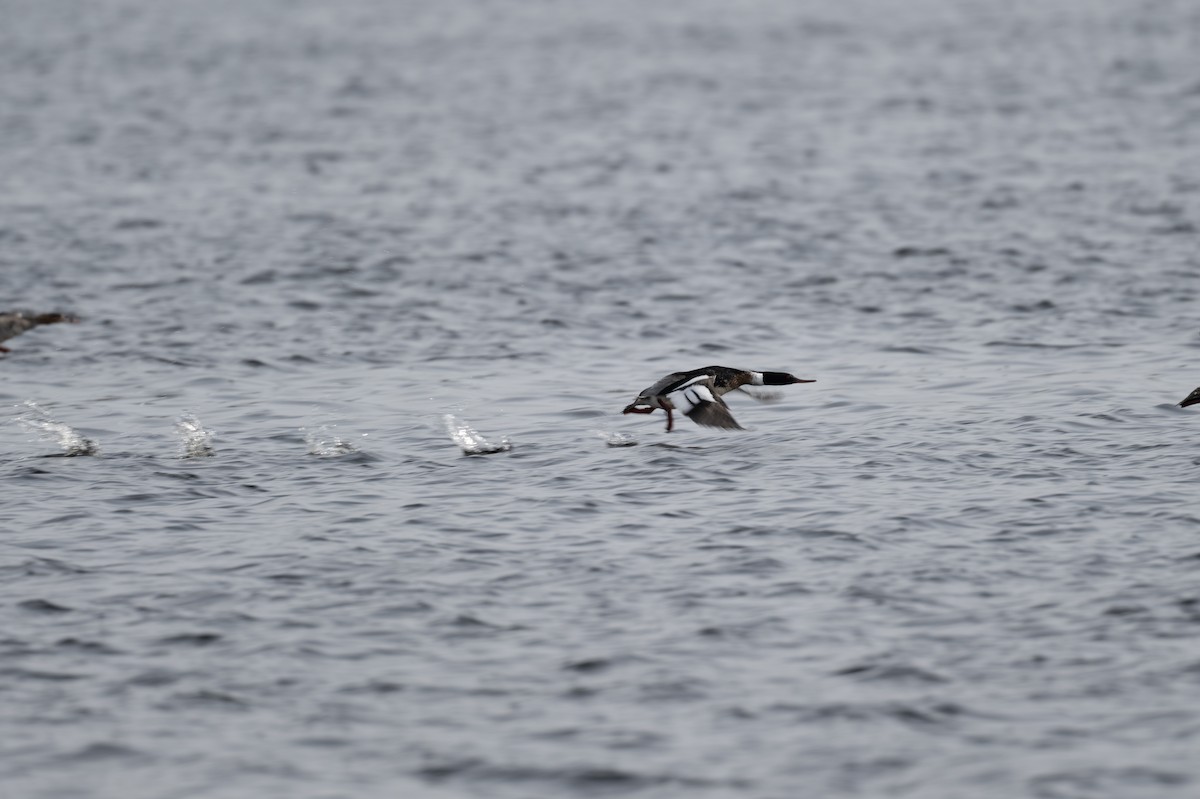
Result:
[[14, 323], [697, 394], [1191, 399]]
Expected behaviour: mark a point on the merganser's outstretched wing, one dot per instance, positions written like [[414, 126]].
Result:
[[697, 401]]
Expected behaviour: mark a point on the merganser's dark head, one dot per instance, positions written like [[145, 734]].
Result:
[[782, 379], [1191, 399]]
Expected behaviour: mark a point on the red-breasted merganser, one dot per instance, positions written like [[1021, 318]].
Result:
[[698, 394], [1191, 399], [14, 323]]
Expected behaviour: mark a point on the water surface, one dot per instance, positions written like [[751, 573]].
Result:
[[962, 563]]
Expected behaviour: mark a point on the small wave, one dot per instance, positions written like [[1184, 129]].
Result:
[[73, 442], [890, 672], [323, 443], [1034, 345], [42, 606], [104, 750], [194, 440], [469, 440], [592, 779]]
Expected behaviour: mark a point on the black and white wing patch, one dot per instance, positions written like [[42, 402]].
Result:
[[696, 401]]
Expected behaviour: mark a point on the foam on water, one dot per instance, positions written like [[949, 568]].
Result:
[[194, 440], [615, 439], [324, 443], [469, 440], [72, 442]]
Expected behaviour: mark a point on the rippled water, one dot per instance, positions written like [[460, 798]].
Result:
[[965, 562]]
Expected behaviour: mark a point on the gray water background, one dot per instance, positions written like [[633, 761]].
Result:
[[964, 563]]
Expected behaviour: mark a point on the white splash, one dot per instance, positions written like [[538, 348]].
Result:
[[194, 440], [469, 441], [614, 439], [73, 442], [323, 443]]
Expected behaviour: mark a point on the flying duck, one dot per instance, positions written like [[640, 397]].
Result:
[[698, 394], [14, 323], [1191, 399]]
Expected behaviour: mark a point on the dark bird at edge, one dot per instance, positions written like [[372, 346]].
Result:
[[14, 323], [698, 394], [1191, 399]]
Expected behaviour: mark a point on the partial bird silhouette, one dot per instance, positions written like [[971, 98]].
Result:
[[14, 323]]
